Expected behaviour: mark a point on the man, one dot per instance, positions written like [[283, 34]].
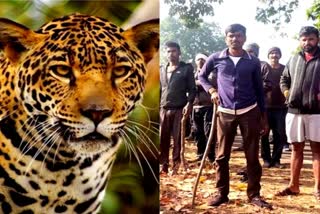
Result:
[[238, 92], [253, 49], [300, 84], [202, 114], [276, 109], [177, 95]]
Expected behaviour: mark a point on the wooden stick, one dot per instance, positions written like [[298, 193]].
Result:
[[183, 133], [210, 140]]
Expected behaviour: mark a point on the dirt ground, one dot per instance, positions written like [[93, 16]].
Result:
[[176, 190]]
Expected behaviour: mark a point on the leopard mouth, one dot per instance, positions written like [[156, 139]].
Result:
[[98, 138], [91, 138]]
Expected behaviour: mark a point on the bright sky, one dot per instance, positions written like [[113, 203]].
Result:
[[243, 12]]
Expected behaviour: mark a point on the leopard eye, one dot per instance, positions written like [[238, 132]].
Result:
[[61, 70], [121, 71]]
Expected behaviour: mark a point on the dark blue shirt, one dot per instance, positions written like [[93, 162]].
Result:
[[238, 86]]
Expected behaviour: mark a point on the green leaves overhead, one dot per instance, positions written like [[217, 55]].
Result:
[[191, 11], [207, 38], [276, 12], [314, 12]]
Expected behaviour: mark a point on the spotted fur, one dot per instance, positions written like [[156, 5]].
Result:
[[66, 91]]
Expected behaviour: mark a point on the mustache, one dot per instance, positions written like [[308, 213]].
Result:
[[309, 48]]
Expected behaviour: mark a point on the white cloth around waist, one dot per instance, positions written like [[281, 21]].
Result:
[[236, 111]]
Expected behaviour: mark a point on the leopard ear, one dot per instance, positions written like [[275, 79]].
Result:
[[145, 36], [15, 39]]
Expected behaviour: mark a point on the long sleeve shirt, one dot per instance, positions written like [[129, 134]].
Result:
[[202, 97], [180, 89], [238, 86], [302, 79], [271, 83]]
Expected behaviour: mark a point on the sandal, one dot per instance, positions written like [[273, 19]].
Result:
[[287, 191], [317, 196]]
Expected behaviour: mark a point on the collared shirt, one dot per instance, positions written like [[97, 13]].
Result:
[[179, 89], [239, 86]]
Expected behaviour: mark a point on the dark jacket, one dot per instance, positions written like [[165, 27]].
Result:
[[302, 79], [238, 86], [180, 89], [203, 98], [271, 85]]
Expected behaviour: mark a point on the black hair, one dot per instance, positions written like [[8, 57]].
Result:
[[307, 30], [235, 28], [172, 44]]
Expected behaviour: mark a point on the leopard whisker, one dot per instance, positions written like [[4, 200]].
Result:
[[143, 138], [152, 127], [35, 138], [58, 146], [45, 143], [29, 132], [146, 160], [61, 140], [6, 115], [148, 108], [126, 138], [54, 137], [133, 149]]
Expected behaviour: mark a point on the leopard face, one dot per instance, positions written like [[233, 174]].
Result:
[[67, 90], [81, 78]]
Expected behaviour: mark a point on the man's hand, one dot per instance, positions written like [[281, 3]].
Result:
[[286, 94], [187, 109], [215, 98], [264, 124]]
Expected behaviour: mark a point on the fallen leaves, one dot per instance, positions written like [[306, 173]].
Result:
[[176, 190]]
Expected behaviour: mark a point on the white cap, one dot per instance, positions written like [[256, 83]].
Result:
[[201, 56]]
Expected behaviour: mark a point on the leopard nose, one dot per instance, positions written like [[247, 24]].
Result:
[[96, 115]]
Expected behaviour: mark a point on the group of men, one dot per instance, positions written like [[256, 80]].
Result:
[[249, 95]]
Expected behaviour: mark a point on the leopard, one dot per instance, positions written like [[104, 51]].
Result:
[[66, 92]]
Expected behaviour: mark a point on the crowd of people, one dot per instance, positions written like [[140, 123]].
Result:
[[249, 93]]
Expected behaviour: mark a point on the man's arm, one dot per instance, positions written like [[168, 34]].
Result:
[[191, 85], [258, 85], [285, 81], [203, 77], [209, 86], [191, 90], [267, 84]]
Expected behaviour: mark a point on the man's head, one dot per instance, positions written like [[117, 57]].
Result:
[[200, 60], [309, 39], [252, 49], [274, 54], [172, 51], [235, 36]]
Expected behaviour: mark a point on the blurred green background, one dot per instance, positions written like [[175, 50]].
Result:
[[133, 187]]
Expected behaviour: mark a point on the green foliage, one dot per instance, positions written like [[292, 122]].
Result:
[[276, 12], [207, 38], [314, 13], [191, 11], [34, 13]]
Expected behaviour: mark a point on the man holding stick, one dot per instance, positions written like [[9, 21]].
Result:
[[238, 92]]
